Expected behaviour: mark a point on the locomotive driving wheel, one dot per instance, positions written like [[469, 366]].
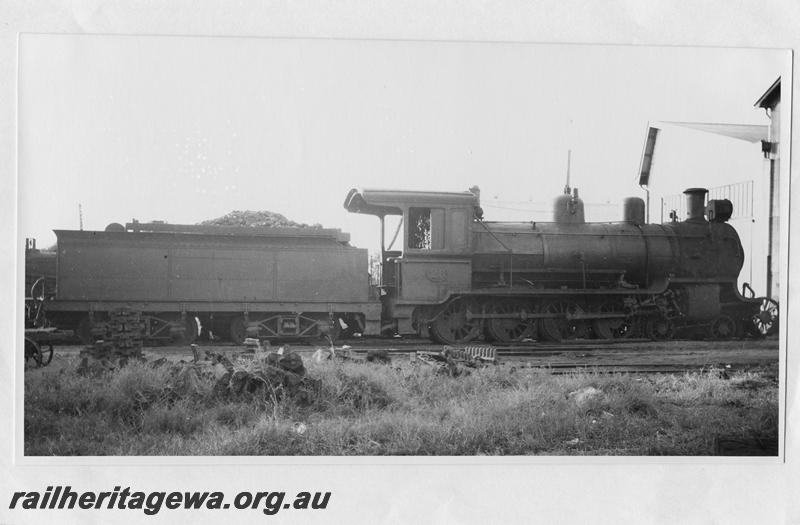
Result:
[[558, 327], [451, 326], [516, 327], [610, 328], [659, 328], [765, 322]]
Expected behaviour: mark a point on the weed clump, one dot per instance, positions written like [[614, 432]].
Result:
[[360, 391]]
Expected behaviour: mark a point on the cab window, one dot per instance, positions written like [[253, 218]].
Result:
[[426, 228]]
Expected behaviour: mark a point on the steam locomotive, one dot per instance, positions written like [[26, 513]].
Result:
[[453, 278], [458, 277]]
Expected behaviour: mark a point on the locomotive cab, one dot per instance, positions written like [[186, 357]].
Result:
[[425, 245]]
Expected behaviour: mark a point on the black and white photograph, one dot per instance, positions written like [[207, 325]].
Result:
[[264, 250], [331, 247]]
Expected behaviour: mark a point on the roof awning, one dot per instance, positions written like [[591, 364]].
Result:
[[749, 132], [357, 202]]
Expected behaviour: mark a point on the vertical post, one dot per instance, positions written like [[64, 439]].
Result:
[[567, 189], [770, 239]]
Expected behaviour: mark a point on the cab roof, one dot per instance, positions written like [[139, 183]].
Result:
[[391, 202]]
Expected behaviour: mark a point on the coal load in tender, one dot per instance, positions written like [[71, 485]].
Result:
[[257, 219]]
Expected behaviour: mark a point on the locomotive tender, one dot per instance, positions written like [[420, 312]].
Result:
[[236, 281], [458, 277], [454, 277]]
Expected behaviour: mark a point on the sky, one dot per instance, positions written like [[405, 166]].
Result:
[[184, 129]]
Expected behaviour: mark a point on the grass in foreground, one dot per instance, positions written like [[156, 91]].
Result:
[[373, 409]]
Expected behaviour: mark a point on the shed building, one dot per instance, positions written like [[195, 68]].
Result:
[[771, 102]]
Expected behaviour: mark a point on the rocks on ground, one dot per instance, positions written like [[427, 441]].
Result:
[[269, 376]]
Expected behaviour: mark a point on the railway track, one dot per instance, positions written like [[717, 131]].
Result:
[[538, 348], [642, 368], [602, 356], [629, 356]]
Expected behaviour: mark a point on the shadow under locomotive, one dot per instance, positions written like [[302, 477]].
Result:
[[444, 273]]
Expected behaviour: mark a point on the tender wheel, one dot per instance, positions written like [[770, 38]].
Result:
[[659, 328], [765, 321], [452, 325], [610, 328], [560, 328], [723, 328], [190, 332], [328, 331], [220, 328], [193, 330], [512, 329], [238, 330]]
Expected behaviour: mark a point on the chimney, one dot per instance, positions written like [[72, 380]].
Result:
[[695, 204]]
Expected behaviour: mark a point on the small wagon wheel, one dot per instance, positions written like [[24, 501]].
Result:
[[765, 321], [33, 352]]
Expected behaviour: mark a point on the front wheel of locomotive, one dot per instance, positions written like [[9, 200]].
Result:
[[452, 325], [722, 328], [516, 327]]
